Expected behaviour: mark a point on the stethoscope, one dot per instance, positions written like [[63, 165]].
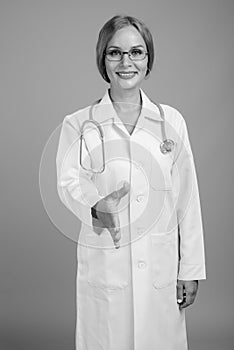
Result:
[[166, 146]]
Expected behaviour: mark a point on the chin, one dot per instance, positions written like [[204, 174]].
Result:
[[129, 85]]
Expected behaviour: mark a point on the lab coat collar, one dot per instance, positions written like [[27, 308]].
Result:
[[104, 110], [149, 109]]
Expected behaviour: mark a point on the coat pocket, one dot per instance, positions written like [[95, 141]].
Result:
[[108, 268], [164, 259]]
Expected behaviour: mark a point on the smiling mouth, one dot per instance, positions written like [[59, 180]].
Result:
[[126, 75]]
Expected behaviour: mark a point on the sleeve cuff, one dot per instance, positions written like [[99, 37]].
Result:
[[190, 272]]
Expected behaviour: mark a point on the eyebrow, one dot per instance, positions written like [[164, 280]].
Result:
[[117, 47]]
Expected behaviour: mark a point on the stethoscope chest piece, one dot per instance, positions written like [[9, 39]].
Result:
[[167, 146]]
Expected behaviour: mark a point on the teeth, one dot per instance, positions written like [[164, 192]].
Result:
[[126, 74]]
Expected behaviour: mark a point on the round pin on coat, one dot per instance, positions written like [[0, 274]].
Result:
[[166, 146]]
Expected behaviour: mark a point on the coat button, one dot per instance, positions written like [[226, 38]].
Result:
[[140, 198], [138, 165], [140, 231], [141, 264]]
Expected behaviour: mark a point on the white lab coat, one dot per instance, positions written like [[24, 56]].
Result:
[[126, 297]]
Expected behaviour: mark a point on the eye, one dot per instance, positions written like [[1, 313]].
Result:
[[137, 52], [114, 53]]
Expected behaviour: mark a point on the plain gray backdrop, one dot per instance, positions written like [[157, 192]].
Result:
[[48, 70]]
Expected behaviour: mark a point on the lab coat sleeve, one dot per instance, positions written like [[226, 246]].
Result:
[[188, 211], [74, 184]]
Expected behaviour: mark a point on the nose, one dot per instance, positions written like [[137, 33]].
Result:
[[126, 60]]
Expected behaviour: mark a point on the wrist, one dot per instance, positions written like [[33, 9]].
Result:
[[94, 212]]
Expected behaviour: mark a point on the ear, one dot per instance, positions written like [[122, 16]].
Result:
[[147, 74]]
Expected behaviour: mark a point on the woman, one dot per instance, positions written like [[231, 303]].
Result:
[[143, 200]]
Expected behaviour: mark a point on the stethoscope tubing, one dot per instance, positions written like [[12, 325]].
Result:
[[166, 145]]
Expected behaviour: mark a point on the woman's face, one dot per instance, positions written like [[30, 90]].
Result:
[[126, 39]]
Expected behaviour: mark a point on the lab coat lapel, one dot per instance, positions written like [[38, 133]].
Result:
[[150, 115]]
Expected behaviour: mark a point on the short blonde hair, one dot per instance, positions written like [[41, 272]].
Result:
[[108, 31]]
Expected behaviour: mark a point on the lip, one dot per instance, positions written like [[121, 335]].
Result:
[[126, 72], [126, 75]]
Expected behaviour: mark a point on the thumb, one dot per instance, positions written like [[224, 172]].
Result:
[[180, 291], [120, 193]]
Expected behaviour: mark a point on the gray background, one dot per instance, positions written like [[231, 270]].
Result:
[[47, 71]]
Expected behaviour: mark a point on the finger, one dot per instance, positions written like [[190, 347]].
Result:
[[115, 234], [97, 226], [116, 240], [185, 304], [115, 230], [189, 298], [117, 245], [180, 289], [118, 194], [115, 222]]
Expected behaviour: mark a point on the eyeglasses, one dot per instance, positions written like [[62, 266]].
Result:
[[134, 54]]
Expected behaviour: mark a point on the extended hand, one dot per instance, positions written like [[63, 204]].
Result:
[[107, 211], [186, 292]]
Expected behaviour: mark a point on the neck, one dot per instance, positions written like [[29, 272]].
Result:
[[125, 100]]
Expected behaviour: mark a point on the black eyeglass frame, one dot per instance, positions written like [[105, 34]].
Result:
[[125, 52]]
